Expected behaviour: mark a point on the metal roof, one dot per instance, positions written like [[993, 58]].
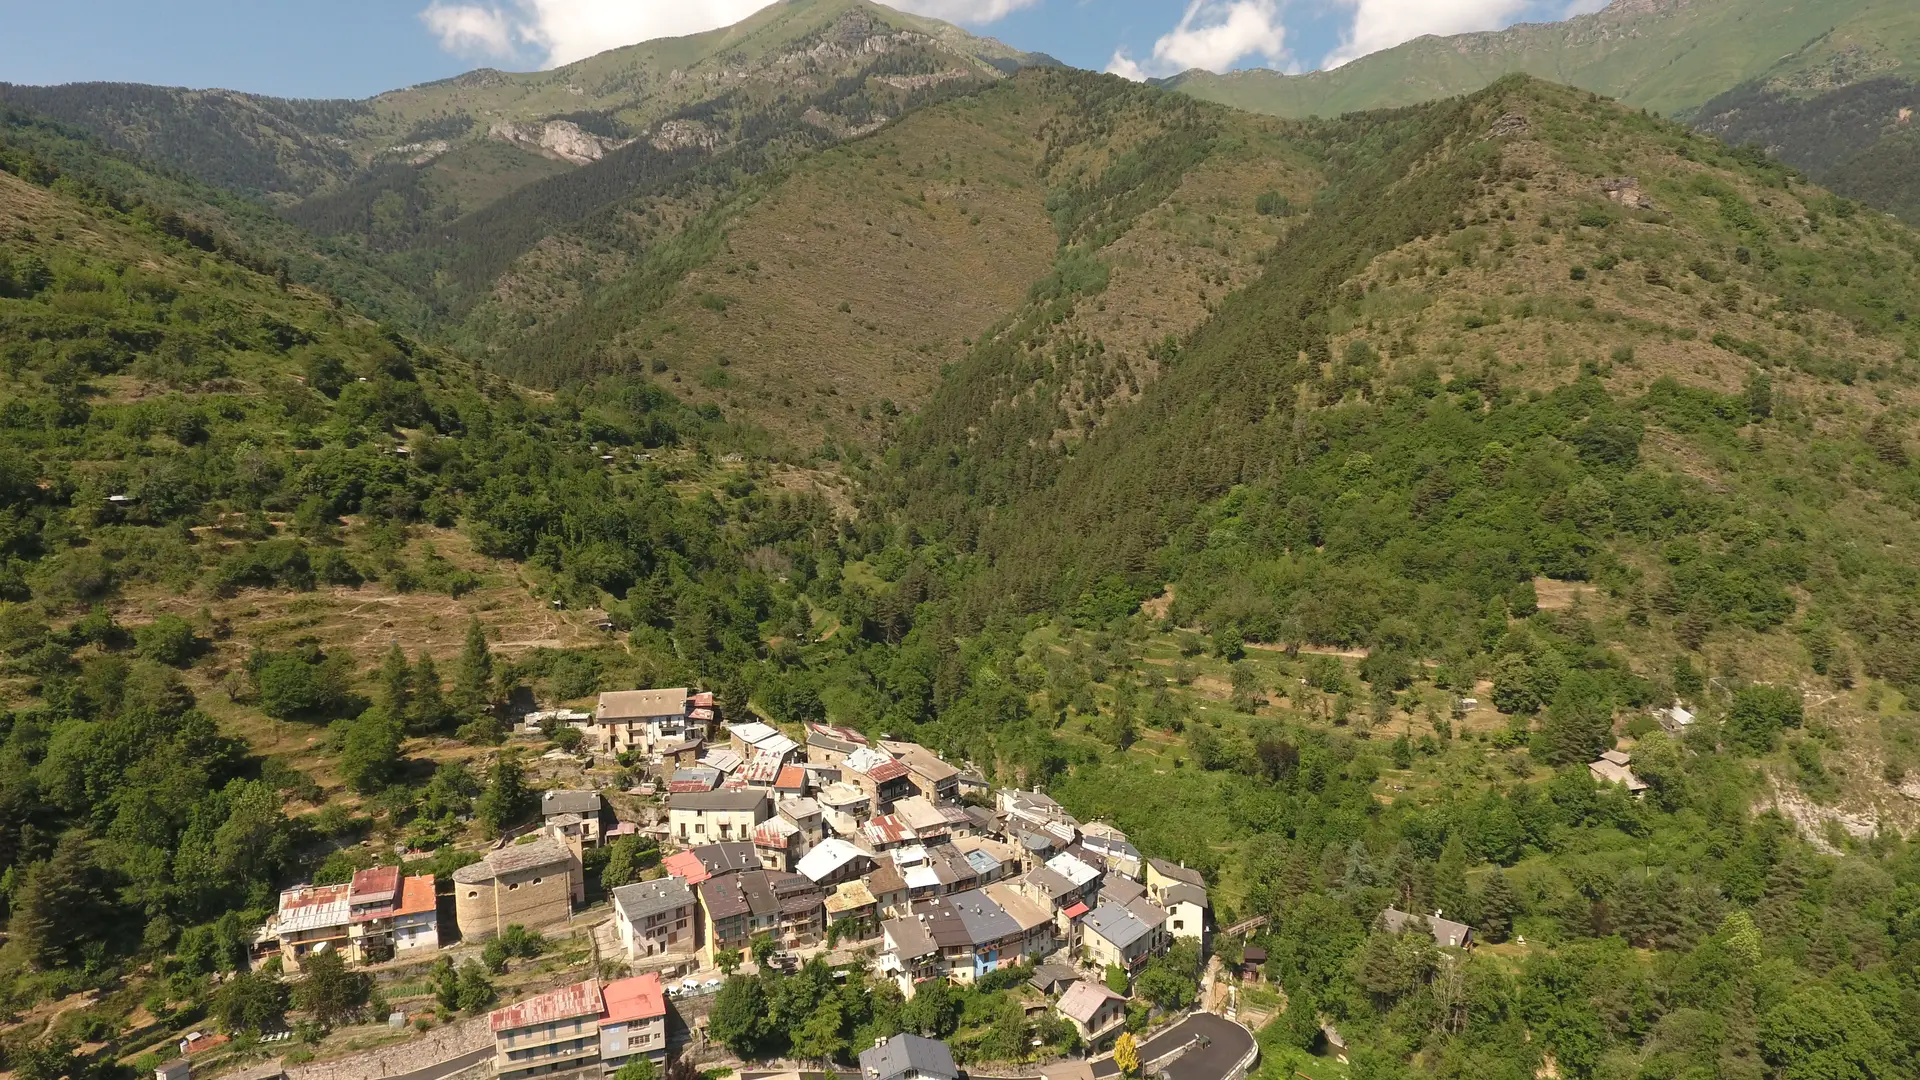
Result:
[[580, 999], [751, 731], [1072, 869], [310, 907]]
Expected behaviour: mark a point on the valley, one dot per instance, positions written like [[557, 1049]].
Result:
[[1467, 545]]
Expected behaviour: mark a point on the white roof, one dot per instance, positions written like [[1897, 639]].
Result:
[[775, 743], [921, 877], [867, 759], [839, 794], [750, 732], [1072, 869], [826, 857]]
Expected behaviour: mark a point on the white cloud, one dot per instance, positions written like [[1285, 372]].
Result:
[[1211, 34], [469, 29], [556, 32], [963, 11], [1382, 24]]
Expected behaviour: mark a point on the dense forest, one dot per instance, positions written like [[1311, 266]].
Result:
[[1336, 502], [1857, 139]]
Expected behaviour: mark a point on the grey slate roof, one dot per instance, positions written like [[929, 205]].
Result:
[[1050, 883], [646, 898], [1183, 893], [1117, 924], [1053, 976], [1119, 889], [910, 937], [967, 919], [1445, 931], [515, 858], [905, 1054], [1178, 872], [722, 800], [584, 803]]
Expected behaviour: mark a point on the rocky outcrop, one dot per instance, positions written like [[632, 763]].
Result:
[[562, 140], [683, 135], [1625, 190], [418, 153], [921, 82]]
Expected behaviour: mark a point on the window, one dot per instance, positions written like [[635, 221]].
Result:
[[471, 893], [514, 886], [536, 881]]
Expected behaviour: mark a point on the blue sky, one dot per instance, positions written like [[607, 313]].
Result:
[[353, 48]]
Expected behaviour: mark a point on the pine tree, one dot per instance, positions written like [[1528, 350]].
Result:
[[1450, 879], [57, 904], [1498, 906], [473, 675], [396, 682], [429, 711], [506, 797], [1579, 725]]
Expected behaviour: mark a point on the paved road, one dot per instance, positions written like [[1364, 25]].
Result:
[[448, 1067], [1230, 1043]]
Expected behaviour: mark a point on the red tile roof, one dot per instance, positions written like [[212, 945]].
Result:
[[417, 896], [686, 866], [1078, 909], [792, 778], [642, 997], [580, 999]]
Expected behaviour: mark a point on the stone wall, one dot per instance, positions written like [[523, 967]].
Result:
[[484, 909], [440, 1044]]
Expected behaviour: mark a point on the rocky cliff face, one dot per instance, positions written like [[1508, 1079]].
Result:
[[562, 140]]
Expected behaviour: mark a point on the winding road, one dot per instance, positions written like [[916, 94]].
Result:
[[1228, 1044]]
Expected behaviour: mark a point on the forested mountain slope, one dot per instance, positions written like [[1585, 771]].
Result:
[[1670, 56], [225, 495], [1311, 499], [1523, 335], [829, 295], [292, 149]]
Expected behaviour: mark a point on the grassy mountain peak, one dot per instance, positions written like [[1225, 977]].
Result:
[[1670, 56]]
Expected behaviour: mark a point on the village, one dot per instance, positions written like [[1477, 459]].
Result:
[[870, 852]]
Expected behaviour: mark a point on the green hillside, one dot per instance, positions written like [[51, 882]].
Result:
[[1670, 56], [290, 150], [827, 297], [1311, 499]]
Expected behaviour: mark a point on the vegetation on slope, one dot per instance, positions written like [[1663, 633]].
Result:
[[826, 297], [1539, 402], [1669, 56]]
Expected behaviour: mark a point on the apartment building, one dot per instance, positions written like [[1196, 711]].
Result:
[[704, 817], [554, 1032], [633, 1021]]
